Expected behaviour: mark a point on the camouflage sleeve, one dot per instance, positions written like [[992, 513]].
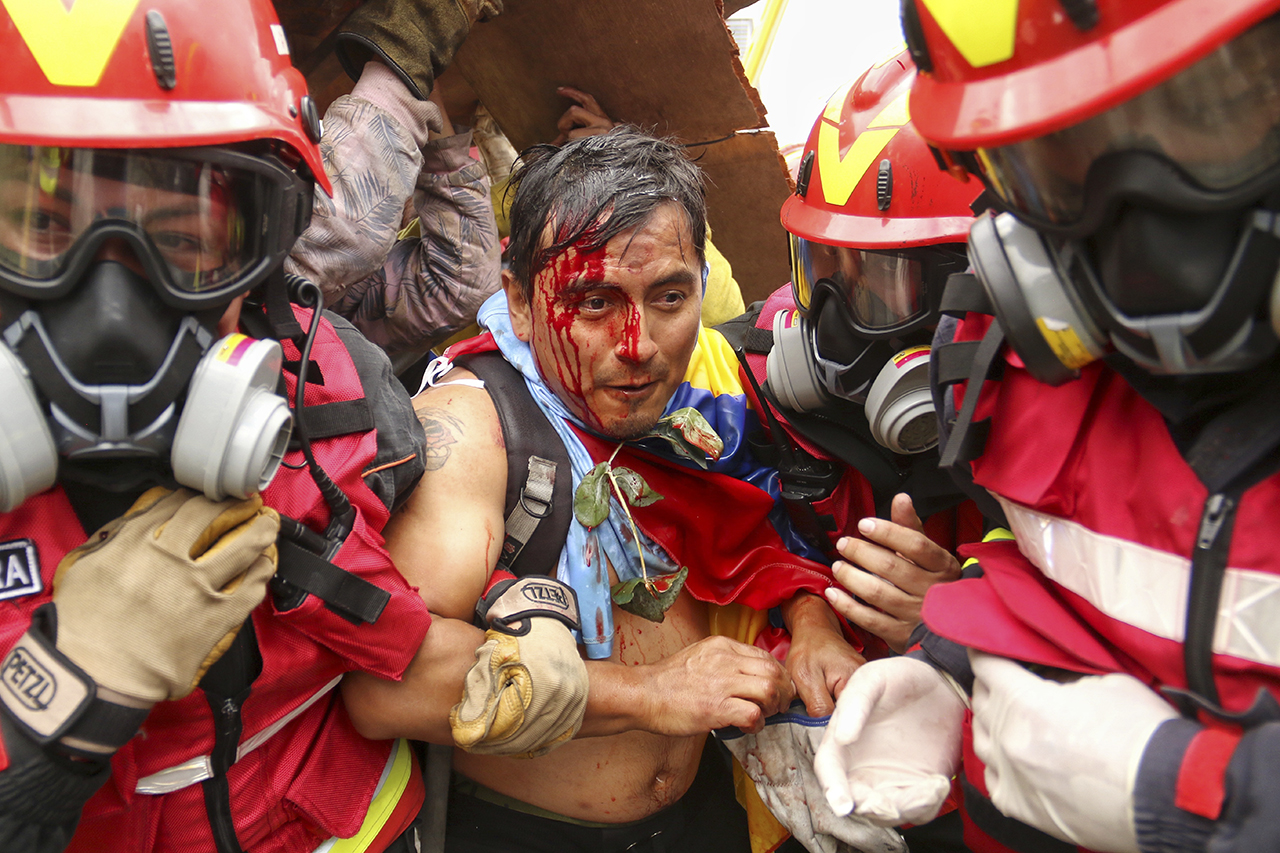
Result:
[[431, 286], [403, 294]]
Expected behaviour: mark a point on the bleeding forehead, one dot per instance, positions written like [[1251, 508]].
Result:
[[664, 238]]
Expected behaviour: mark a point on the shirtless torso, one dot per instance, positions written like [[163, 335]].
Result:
[[650, 706], [622, 777]]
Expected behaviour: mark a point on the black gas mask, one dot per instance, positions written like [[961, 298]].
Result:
[[860, 333], [115, 267], [1150, 229]]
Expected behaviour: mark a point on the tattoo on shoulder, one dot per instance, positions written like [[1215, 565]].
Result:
[[443, 430]]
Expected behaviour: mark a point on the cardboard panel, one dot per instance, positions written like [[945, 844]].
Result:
[[666, 65], [747, 183]]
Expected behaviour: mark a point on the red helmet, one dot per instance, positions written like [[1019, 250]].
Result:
[[1020, 68], [179, 126], [869, 199], [167, 73], [1040, 90], [1136, 144]]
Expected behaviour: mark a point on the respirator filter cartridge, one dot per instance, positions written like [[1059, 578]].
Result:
[[900, 406], [234, 428]]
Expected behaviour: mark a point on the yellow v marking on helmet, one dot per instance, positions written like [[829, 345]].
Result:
[[984, 36], [71, 45], [841, 174]]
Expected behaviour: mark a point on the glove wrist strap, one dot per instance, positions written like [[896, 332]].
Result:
[[510, 604], [51, 698]]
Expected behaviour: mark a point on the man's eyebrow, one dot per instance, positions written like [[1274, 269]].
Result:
[[680, 276], [582, 284]]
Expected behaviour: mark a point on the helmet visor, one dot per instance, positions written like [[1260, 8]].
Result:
[[203, 222], [1217, 121], [883, 291]]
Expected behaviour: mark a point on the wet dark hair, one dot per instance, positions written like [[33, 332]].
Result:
[[592, 189]]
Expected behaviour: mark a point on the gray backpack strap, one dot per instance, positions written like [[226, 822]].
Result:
[[539, 501]]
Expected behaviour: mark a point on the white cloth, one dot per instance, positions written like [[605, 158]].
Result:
[[779, 761]]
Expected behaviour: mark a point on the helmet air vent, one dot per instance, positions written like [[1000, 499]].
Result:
[[160, 46], [884, 185], [1083, 13], [804, 174]]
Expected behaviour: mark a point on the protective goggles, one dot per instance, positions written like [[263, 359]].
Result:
[[882, 294], [1206, 139], [205, 223]]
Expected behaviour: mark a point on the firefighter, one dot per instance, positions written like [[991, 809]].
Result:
[[1119, 404]]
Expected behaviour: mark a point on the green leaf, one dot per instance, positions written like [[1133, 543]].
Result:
[[652, 599], [634, 488], [591, 499], [697, 431], [690, 435]]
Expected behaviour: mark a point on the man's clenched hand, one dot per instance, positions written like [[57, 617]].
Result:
[[714, 683]]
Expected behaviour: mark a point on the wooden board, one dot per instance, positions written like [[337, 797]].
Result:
[[669, 66]]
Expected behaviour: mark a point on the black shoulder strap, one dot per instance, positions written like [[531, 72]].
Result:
[[973, 362], [741, 331], [539, 500]]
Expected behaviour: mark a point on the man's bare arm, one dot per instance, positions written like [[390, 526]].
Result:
[[445, 541], [447, 538]]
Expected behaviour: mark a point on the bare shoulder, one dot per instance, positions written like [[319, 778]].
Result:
[[458, 417], [445, 539]]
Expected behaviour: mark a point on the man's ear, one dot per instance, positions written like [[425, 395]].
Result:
[[517, 306]]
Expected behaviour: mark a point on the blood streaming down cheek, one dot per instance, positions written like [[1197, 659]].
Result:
[[629, 334], [569, 267]]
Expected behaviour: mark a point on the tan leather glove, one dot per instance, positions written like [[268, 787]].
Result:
[[156, 596], [414, 38], [527, 692]]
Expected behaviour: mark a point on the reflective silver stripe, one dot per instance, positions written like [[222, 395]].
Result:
[[198, 769], [1146, 587]]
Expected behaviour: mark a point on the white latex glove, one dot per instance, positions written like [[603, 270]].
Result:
[[1063, 757], [893, 743]]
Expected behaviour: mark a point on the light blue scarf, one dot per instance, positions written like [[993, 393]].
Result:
[[580, 566]]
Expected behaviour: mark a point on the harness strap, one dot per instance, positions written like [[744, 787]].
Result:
[[966, 438], [953, 361], [227, 685], [962, 440], [341, 417], [534, 505], [350, 596], [964, 294], [539, 504]]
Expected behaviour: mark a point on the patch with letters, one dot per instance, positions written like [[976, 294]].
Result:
[[19, 569]]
